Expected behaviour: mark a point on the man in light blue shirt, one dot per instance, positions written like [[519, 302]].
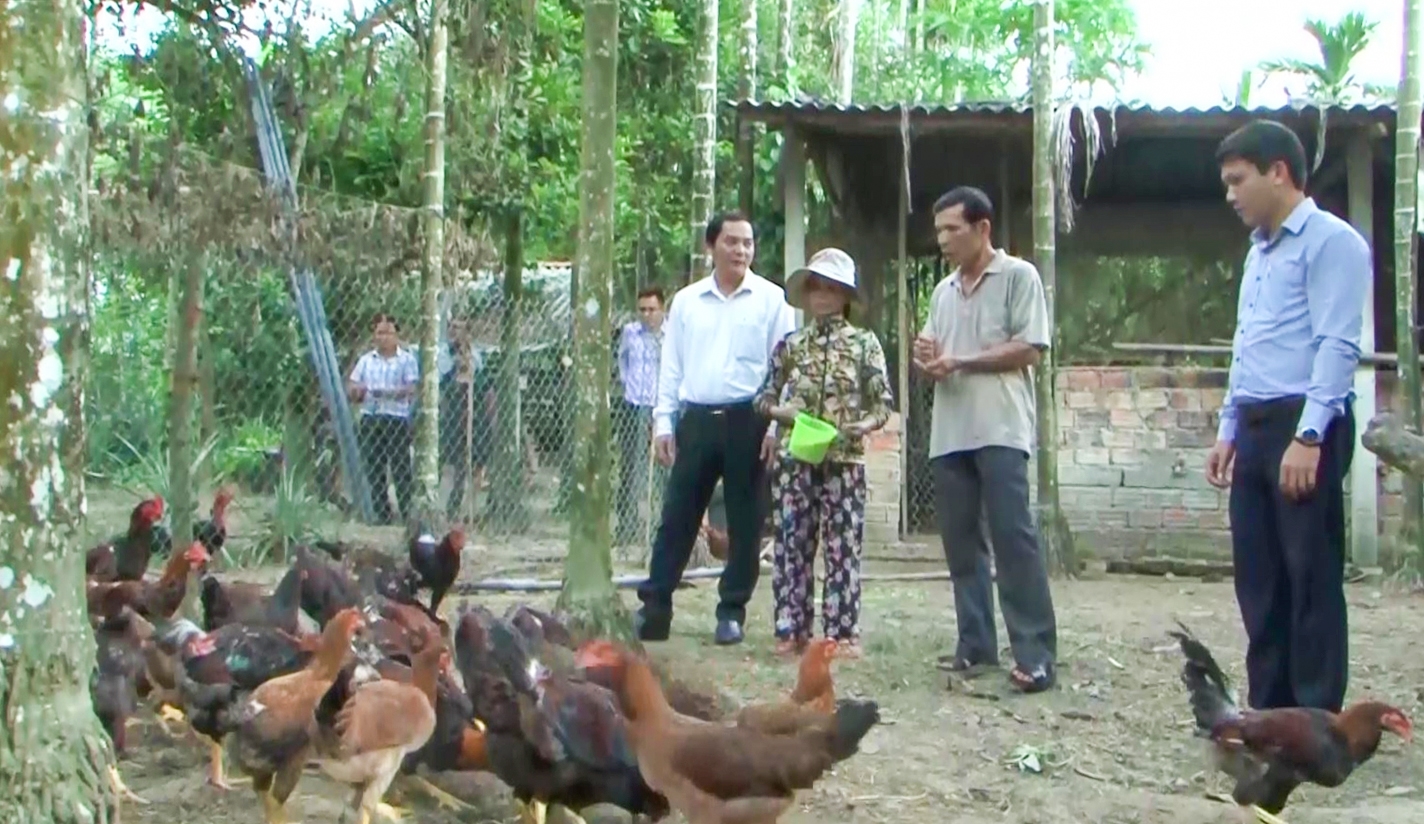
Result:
[[1287, 432]]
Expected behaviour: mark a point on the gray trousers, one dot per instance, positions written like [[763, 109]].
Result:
[[993, 481]]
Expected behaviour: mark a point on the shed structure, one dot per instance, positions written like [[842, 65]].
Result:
[[1154, 190]]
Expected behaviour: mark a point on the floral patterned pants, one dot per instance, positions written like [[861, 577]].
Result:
[[818, 505]]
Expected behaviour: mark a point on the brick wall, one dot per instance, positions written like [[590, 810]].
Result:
[[882, 472], [1132, 447]]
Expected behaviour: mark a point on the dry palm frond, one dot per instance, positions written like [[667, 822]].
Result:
[[1065, 146]]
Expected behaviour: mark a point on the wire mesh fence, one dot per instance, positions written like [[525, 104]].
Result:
[[315, 453]]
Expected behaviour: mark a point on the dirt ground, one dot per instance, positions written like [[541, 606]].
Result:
[[1114, 739]]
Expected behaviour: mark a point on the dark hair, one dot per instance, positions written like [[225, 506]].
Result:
[[977, 205], [385, 317], [714, 226], [652, 291], [1264, 143]]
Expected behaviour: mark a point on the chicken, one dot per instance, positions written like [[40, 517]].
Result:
[[327, 588], [456, 745], [814, 694], [274, 728], [237, 602], [379, 724], [154, 600], [1271, 752], [438, 565], [125, 558], [113, 685], [211, 533], [714, 774], [375, 571], [684, 699], [522, 743], [215, 670]]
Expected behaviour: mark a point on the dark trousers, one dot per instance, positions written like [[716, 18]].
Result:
[[634, 425], [993, 481], [712, 442], [385, 445], [1290, 560]]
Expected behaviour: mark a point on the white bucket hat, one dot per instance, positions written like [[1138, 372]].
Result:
[[829, 263]]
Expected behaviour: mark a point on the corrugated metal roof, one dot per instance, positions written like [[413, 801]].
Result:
[[789, 107]]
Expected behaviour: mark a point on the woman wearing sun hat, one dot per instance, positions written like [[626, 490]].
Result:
[[835, 372]]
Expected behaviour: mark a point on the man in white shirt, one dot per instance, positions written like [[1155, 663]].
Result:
[[717, 343], [384, 382]]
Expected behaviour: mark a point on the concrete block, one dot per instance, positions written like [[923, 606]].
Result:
[[1125, 419], [1077, 475], [1201, 499], [1125, 457], [1115, 378], [1081, 400], [1120, 399], [1129, 498], [1144, 519], [1082, 378], [1091, 456], [1151, 399]]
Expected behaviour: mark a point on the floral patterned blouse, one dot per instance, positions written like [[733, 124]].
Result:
[[835, 371]]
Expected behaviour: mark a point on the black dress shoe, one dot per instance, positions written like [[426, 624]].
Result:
[[651, 627], [728, 633]]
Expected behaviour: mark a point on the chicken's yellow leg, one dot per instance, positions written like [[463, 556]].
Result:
[[385, 811], [216, 774], [445, 800], [1265, 817], [540, 810], [573, 817], [274, 811], [121, 789]]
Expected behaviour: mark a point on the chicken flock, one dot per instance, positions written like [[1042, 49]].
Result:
[[388, 689]]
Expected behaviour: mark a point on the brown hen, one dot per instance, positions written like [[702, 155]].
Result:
[[714, 774], [276, 726]]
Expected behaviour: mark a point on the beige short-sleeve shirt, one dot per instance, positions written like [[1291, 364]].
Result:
[[973, 410]]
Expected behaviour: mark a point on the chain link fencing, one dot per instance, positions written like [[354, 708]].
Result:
[[302, 443]]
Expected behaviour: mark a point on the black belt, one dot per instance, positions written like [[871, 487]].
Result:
[[717, 408], [1253, 413]]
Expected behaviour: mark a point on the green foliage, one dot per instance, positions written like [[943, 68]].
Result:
[[292, 520]]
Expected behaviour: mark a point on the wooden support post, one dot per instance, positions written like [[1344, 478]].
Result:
[[1364, 476], [793, 176], [907, 327]]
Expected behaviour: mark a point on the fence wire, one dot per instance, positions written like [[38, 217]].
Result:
[[504, 365]]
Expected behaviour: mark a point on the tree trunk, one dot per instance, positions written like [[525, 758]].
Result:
[[1387, 437], [704, 141], [1054, 534], [427, 442], [1406, 239], [182, 503], [747, 132], [53, 754], [508, 512], [786, 35], [843, 50], [588, 594]]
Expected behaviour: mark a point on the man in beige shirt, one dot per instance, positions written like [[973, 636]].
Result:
[[988, 325]]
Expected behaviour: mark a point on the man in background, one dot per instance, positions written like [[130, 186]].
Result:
[[384, 382], [639, 348]]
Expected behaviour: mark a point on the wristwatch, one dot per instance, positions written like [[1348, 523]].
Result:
[[1309, 438]]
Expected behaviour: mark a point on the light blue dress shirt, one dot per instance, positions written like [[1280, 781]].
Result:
[[1298, 318]]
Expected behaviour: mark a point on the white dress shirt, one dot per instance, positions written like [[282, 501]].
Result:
[[716, 347]]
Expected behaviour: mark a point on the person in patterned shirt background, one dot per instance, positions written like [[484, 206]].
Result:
[[836, 372]]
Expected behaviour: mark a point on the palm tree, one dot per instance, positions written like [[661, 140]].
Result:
[[1331, 81]]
